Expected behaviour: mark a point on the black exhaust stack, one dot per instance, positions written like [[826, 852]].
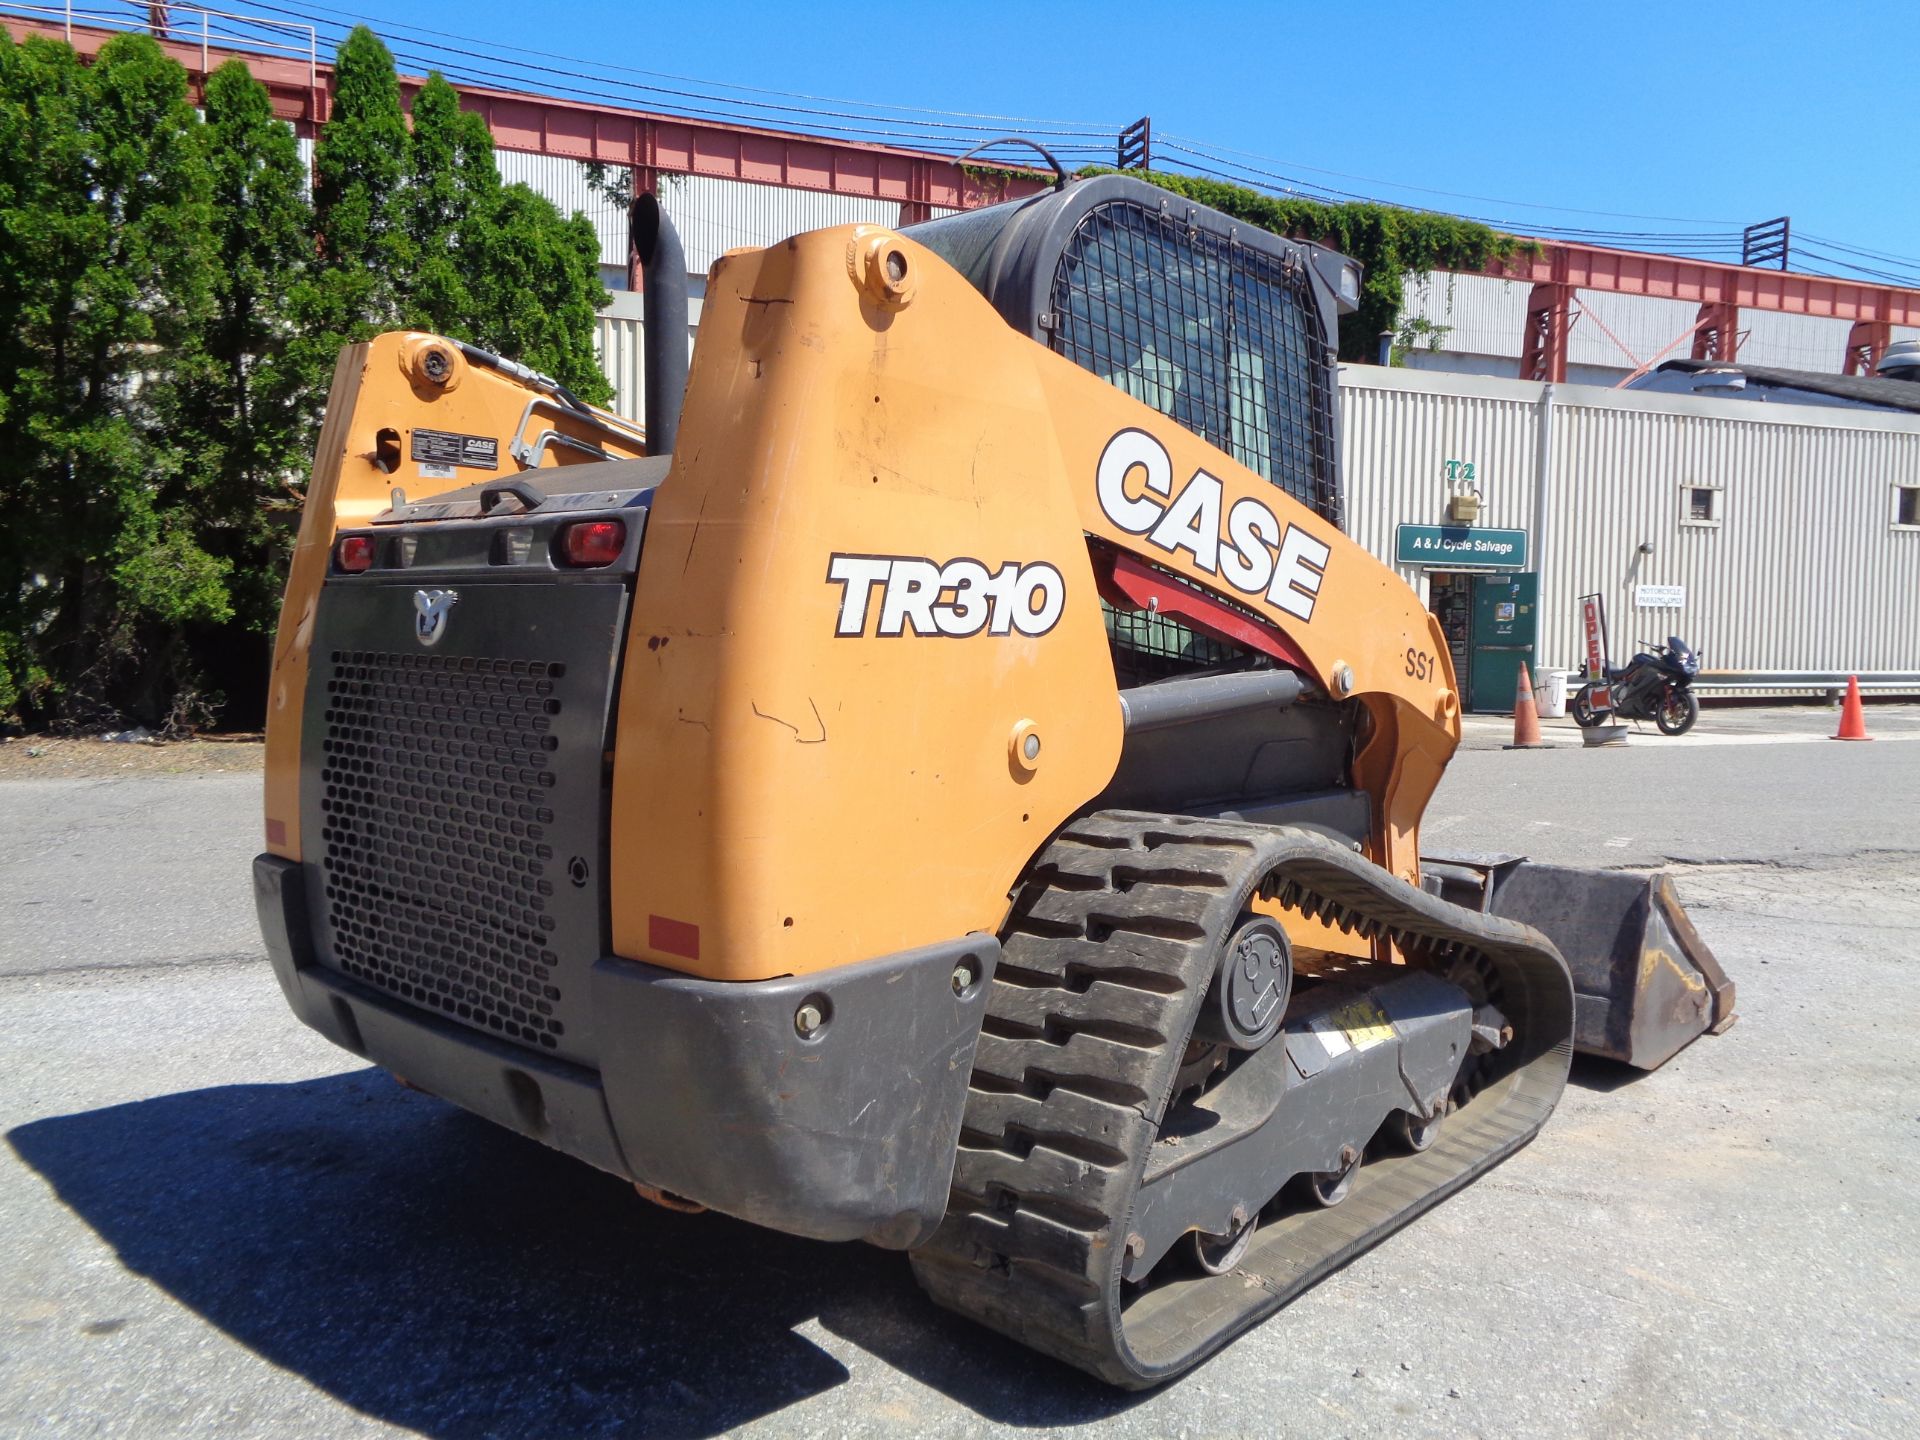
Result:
[[664, 314]]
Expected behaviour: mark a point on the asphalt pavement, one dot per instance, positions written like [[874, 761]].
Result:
[[218, 1224]]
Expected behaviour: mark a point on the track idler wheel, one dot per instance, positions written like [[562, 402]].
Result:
[[1414, 1134], [1327, 1188], [1219, 1254]]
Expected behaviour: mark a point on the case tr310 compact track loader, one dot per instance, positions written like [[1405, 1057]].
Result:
[[947, 781]]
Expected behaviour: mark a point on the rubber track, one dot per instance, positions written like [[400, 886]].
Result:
[[1107, 954]]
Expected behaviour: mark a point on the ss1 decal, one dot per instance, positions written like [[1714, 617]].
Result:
[[1420, 665], [1247, 547], [959, 598]]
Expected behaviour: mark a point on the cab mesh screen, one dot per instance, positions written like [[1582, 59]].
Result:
[[1222, 339]]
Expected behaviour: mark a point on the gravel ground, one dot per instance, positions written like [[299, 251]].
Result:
[[217, 1224], [50, 757]]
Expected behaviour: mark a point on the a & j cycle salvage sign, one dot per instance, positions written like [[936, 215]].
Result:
[[1460, 547]]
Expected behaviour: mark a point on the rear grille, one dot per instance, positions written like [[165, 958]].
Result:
[[437, 776]]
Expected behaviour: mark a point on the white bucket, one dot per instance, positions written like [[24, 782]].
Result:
[[1550, 692]]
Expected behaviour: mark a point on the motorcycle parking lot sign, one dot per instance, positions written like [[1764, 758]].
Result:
[[1659, 597]]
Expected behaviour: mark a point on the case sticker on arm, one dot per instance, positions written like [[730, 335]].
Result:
[[1247, 546]]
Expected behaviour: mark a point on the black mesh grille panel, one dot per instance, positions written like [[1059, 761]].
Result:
[[436, 812], [1225, 340]]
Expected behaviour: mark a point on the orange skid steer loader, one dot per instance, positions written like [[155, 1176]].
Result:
[[947, 780]]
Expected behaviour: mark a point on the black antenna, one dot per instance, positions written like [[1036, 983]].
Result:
[[1059, 171]]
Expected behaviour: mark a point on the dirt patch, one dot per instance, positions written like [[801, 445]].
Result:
[[47, 758]]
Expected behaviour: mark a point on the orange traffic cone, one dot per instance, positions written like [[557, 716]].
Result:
[[1526, 718], [1853, 719]]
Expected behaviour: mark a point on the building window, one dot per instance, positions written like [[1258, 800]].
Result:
[[1907, 505], [1700, 504]]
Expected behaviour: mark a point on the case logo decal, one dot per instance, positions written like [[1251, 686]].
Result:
[[1247, 547], [956, 599], [430, 611]]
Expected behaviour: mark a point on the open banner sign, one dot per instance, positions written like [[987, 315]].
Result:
[[1593, 623]]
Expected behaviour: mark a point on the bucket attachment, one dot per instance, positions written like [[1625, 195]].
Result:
[[1645, 984]]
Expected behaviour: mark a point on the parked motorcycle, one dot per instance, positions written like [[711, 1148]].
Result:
[[1656, 685]]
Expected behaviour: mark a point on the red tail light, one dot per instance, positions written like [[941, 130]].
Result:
[[355, 553], [593, 543]]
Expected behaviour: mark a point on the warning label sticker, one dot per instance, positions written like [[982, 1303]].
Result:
[[443, 447], [1359, 1024]]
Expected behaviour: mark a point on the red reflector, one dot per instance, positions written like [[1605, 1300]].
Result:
[[356, 553], [595, 542], [676, 937]]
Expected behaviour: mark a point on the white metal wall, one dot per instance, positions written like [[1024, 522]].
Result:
[[715, 216], [1396, 442], [1805, 569], [712, 215], [617, 339]]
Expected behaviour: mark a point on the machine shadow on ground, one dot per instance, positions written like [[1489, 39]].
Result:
[[1603, 1076], [433, 1271]]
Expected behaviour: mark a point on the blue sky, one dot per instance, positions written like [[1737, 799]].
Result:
[[1704, 117]]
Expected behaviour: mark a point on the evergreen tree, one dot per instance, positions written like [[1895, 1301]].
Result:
[[45, 228], [494, 264], [535, 280], [170, 313], [439, 204], [240, 406], [360, 165], [105, 221]]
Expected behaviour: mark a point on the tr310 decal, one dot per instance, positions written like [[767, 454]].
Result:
[[955, 598]]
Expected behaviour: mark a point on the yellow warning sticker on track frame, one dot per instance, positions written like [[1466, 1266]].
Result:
[[1360, 1024]]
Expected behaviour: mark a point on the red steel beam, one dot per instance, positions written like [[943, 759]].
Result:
[[1866, 343], [583, 131], [1670, 277], [1716, 332]]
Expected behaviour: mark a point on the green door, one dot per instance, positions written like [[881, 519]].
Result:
[[1506, 623]]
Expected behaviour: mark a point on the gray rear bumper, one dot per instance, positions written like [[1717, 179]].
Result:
[[704, 1088]]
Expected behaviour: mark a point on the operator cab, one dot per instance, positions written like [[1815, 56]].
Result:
[[1229, 330]]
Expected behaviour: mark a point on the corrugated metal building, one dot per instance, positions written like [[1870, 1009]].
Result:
[[1776, 527]]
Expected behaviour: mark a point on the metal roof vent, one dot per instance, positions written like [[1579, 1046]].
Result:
[[1719, 380], [1901, 361]]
